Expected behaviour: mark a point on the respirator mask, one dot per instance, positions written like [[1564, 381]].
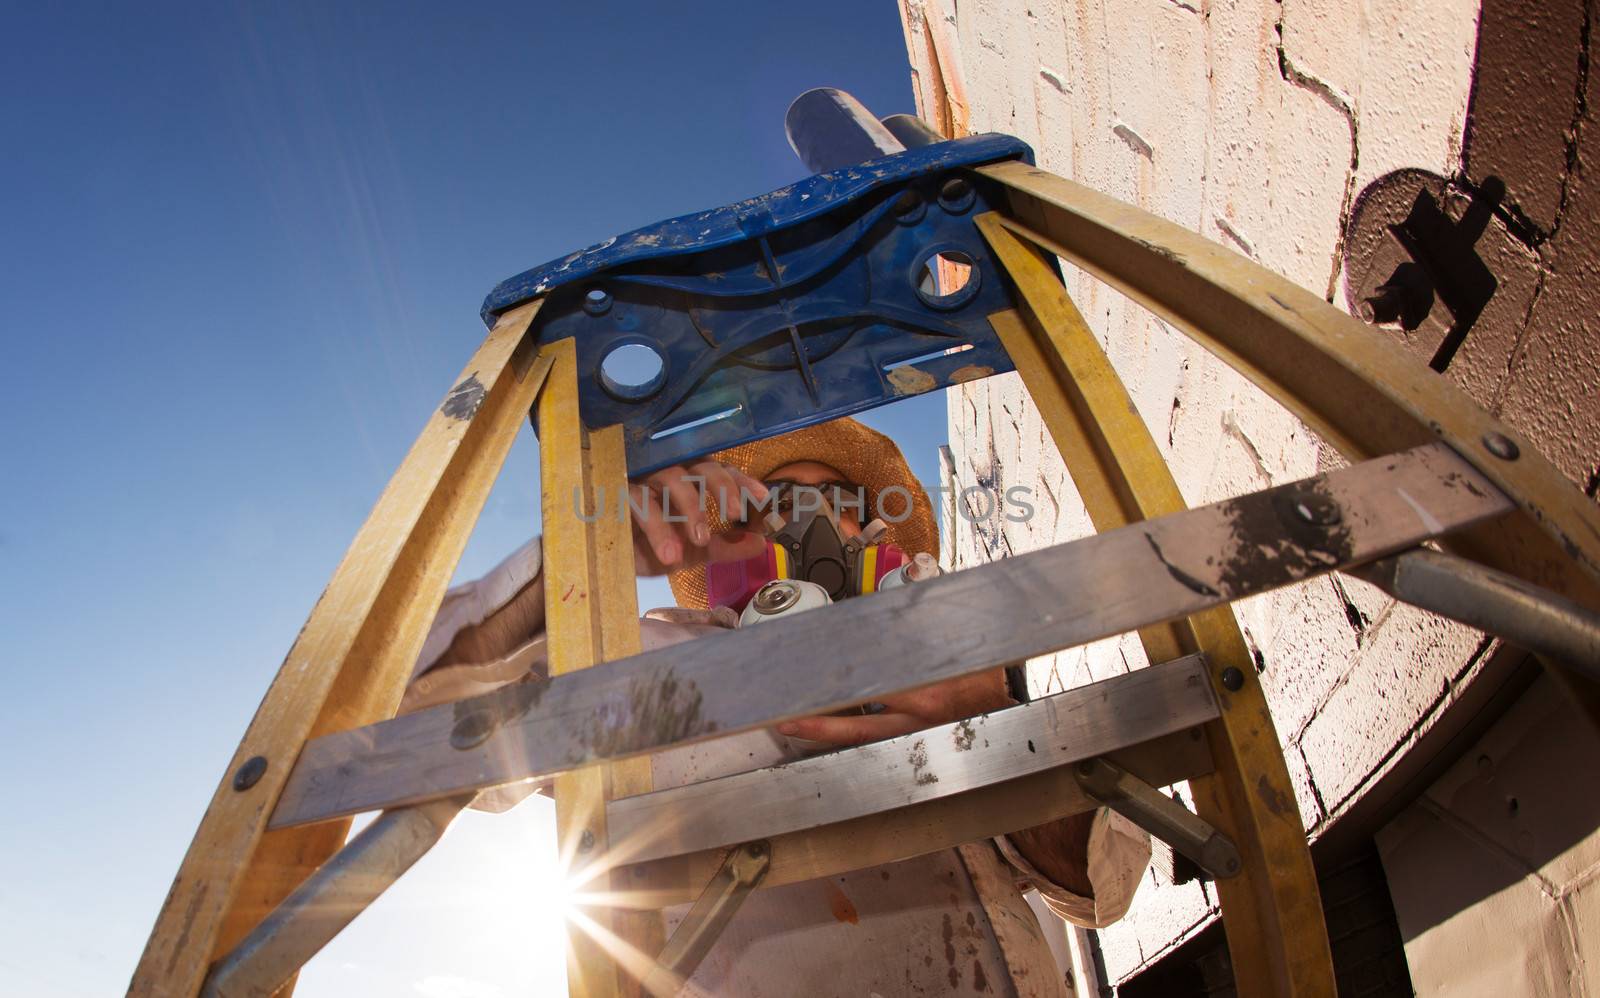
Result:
[[804, 542]]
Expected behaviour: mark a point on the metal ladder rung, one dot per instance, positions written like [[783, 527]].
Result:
[[941, 761]]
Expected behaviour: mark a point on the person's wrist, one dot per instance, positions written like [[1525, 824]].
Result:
[[1002, 700], [994, 698]]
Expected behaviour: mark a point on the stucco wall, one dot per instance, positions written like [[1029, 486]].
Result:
[[1495, 868], [1255, 123]]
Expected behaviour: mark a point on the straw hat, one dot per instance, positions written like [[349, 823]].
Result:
[[862, 455]]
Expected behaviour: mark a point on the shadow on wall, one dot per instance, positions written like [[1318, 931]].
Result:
[[1490, 275]]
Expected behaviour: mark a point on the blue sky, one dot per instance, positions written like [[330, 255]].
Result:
[[241, 254]]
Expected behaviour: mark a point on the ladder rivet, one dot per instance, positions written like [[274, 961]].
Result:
[[1316, 510], [249, 773], [586, 841], [1501, 446], [1232, 679]]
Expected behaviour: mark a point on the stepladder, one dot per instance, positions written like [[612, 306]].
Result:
[[910, 272]]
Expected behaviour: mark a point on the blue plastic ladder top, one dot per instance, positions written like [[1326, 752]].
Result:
[[784, 310]]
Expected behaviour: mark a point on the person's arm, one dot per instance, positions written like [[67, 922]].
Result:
[[490, 631], [487, 633]]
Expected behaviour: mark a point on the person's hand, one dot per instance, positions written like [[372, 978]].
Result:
[[904, 713], [670, 529]]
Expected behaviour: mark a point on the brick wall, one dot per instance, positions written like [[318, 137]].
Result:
[[1258, 124]]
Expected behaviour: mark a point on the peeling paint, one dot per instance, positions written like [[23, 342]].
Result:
[[918, 758], [1228, 230], [1161, 251], [964, 736], [1274, 799], [1270, 542], [464, 400], [655, 711], [1133, 140], [910, 380], [1230, 425]]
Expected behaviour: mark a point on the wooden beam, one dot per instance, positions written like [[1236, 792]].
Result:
[[1276, 936], [618, 606], [349, 665], [574, 594]]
